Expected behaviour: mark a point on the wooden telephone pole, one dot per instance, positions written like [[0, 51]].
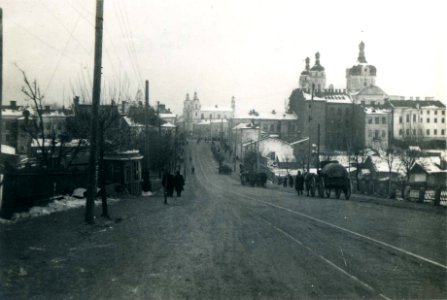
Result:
[[93, 160], [1, 74], [146, 179]]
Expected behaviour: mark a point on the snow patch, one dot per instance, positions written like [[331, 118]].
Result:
[[146, 194], [65, 203]]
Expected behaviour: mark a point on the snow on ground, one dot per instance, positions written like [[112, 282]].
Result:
[[61, 204]]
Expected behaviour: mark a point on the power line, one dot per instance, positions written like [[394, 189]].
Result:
[[60, 57]]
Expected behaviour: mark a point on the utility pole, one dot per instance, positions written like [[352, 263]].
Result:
[[310, 128], [257, 148], [146, 179], [93, 165], [1, 75]]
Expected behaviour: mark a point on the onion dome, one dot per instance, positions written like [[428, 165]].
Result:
[[306, 70], [317, 66]]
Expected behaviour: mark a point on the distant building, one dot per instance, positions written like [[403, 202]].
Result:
[[418, 120], [284, 125], [194, 113], [374, 127], [313, 76], [361, 82]]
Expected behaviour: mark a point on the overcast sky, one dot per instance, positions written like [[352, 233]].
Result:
[[253, 50]]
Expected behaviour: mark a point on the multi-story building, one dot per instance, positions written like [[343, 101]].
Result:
[[418, 120], [282, 125], [328, 114], [376, 124]]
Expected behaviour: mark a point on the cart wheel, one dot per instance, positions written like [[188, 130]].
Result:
[[348, 192]]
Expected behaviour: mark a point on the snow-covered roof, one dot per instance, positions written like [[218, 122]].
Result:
[[168, 125], [245, 126], [131, 123], [381, 165], [216, 121], [8, 149], [430, 164], [216, 108], [268, 116], [11, 112], [167, 116], [372, 110], [49, 143], [341, 98]]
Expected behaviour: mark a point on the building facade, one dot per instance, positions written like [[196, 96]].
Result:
[[194, 113], [418, 120]]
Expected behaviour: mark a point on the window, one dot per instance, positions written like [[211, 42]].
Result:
[[442, 131], [211, 116], [408, 118], [383, 120], [376, 134], [265, 127], [428, 112], [414, 118], [383, 133], [370, 133], [407, 132], [400, 119], [435, 132], [414, 131], [435, 120], [377, 119], [443, 112], [401, 131], [272, 127], [427, 132], [420, 131], [202, 116], [370, 120], [428, 120], [442, 120], [436, 112], [218, 116]]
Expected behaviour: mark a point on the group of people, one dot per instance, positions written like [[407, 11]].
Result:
[[173, 182], [297, 182]]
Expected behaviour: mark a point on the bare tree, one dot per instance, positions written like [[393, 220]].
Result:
[[408, 158]]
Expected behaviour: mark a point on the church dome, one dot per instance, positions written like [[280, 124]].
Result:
[[363, 69], [317, 66], [371, 90], [306, 70]]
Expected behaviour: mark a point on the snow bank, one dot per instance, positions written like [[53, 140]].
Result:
[[62, 204]]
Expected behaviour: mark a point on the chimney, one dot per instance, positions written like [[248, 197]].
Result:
[[13, 104]]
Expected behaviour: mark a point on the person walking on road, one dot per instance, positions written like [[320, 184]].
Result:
[[192, 170], [299, 183], [179, 182], [164, 183]]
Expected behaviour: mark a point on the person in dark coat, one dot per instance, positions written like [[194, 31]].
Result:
[[290, 179], [299, 183], [284, 183], [179, 182]]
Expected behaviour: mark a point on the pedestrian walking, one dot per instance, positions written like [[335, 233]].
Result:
[[179, 182], [192, 170], [290, 179], [284, 183], [299, 183], [164, 183]]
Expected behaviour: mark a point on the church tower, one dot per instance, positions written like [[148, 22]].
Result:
[[188, 113], [305, 76], [362, 75], [317, 74], [196, 107]]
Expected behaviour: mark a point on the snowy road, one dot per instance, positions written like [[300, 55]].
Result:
[[222, 240]]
